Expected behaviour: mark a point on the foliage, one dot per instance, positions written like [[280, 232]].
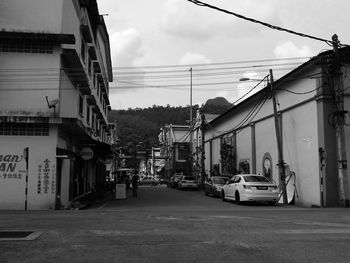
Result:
[[143, 125]]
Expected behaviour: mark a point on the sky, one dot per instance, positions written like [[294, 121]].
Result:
[[165, 50]]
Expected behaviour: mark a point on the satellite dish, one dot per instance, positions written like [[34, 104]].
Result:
[[52, 104]]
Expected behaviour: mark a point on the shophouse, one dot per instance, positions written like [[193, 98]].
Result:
[[308, 115], [175, 149], [54, 98]]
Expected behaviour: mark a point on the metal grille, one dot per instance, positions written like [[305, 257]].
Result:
[[26, 46], [24, 129]]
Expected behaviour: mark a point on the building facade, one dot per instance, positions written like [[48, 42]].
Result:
[[308, 117], [174, 143], [54, 99]]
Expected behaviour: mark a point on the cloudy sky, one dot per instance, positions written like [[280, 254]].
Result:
[[154, 44]]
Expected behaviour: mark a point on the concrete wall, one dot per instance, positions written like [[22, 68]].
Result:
[[266, 144], [30, 78], [243, 144], [299, 136], [41, 172], [69, 107], [31, 15], [71, 22], [300, 145]]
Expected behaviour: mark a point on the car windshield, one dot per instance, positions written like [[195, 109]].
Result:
[[219, 180], [189, 178], [255, 178]]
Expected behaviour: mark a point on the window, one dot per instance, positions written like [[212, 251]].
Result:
[[182, 152], [93, 121], [88, 114], [24, 129], [81, 106], [26, 46], [83, 50], [89, 66]]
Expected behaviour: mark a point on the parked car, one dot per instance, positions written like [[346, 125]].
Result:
[[174, 181], [187, 182], [250, 187], [148, 180], [214, 184]]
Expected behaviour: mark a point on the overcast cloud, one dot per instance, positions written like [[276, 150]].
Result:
[[177, 32]]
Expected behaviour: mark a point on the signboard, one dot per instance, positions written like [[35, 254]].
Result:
[[120, 191], [86, 153]]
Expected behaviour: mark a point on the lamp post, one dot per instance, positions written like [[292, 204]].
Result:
[[191, 120], [281, 168]]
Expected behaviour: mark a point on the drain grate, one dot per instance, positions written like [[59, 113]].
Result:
[[13, 235]]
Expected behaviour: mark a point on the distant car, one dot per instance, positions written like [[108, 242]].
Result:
[[174, 181], [250, 187], [187, 182], [149, 180], [213, 185]]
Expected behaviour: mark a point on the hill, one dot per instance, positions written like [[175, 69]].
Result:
[[143, 125]]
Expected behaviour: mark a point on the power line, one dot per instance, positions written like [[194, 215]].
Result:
[[210, 69], [213, 64], [199, 3]]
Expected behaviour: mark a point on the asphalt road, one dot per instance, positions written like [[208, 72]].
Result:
[[168, 225]]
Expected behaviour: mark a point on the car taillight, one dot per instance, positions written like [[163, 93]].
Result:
[[274, 187], [247, 186]]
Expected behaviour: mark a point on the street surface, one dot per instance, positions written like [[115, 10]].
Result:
[[168, 225]]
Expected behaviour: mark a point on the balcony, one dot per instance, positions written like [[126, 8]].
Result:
[[84, 3], [96, 65], [85, 31], [90, 99], [75, 70], [92, 52], [95, 108]]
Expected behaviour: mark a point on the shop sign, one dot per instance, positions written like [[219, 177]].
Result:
[[86, 153], [9, 167]]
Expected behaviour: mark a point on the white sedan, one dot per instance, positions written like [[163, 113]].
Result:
[[250, 187]]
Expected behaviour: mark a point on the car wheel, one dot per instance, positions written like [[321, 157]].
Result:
[[206, 193], [223, 198], [273, 203], [237, 198]]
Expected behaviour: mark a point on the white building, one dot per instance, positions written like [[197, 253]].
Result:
[[308, 118], [54, 97]]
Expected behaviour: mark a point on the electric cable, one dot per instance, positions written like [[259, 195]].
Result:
[[199, 3]]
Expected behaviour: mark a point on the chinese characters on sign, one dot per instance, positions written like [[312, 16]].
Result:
[[46, 178], [9, 169], [40, 169]]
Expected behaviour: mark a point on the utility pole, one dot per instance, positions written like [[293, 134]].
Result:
[[202, 128], [281, 170], [343, 187], [191, 120]]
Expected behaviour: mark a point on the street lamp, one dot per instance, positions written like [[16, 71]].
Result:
[[270, 81]]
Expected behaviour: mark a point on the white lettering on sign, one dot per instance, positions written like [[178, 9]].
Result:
[[86, 153]]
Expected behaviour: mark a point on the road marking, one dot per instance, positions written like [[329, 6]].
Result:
[[315, 231], [102, 206]]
